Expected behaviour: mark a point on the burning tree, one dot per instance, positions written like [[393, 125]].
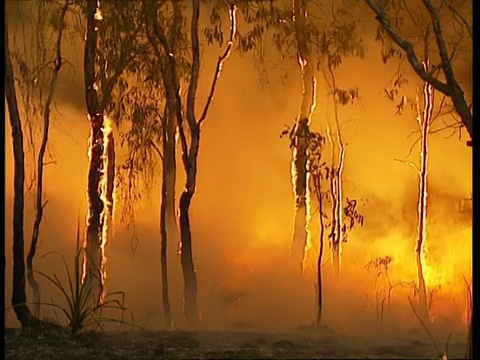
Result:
[[189, 123], [109, 47], [424, 120], [319, 42], [300, 132], [452, 40]]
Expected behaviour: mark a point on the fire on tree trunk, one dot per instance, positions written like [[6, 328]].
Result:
[[299, 134], [101, 172], [299, 140], [424, 122]]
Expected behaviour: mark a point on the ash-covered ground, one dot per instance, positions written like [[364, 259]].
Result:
[[302, 344]]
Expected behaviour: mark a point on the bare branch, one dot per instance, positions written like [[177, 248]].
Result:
[[156, 149], [462, 19], [409, 163], [53, 162], [409, 51], [220, 61], [195, 70]]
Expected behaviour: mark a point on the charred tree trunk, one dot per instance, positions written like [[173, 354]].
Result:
[[110, 184], [163, 234], [299, 172], [186, 256], [320, 254], [96, 205], [300, 134], [19, 297], [167, 206]]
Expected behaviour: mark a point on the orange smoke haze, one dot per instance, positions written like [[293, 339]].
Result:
[[242, 212]]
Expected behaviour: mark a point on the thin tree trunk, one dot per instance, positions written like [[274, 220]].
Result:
[[166, 210], [299, 180], [19, 297], [320, 255], [163, 233], [469, 349], [299, 135], [424, 122], [96, 205], [186, 258], [39, 205], [337, 233]]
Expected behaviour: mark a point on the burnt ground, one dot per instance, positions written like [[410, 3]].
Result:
[[59, 344]]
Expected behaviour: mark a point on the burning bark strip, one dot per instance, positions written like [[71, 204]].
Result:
[[299, 136], [100, 188], [424, 123]]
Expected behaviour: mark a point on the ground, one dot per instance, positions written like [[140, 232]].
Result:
[[58, 344]]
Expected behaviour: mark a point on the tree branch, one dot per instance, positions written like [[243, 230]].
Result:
[[220, 61], [462, 19], [195, 70], [407, 47], [409, 163]]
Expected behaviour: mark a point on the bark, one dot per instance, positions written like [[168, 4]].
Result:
[[422, 201], [186, 259], [19, 297], [110, 186], [96, 118], [190, 149], [39, 205], [167, 207], [164, 240], [299, 136], [320, 256], [173, 105], [337, 234]]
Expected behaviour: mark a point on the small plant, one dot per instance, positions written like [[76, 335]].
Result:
[[82, 310], [380, 267]]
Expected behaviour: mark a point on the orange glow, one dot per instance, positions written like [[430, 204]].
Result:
[[241, 217]]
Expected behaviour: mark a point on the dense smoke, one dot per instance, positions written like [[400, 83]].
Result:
[[241, 214]]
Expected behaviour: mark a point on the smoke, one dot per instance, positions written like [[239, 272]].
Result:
[[241, 213]]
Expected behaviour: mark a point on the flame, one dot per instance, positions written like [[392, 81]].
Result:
[[106, 215], [424, 124], [308, 204]]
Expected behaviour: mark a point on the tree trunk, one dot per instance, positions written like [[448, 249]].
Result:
[[96, 205], [19, 297], [39, 205], [320, 258], [94, 231], [424, 122], [110, 185], [167, 207], [422, 289], [300, 134], [186, 258], [299, 176]]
